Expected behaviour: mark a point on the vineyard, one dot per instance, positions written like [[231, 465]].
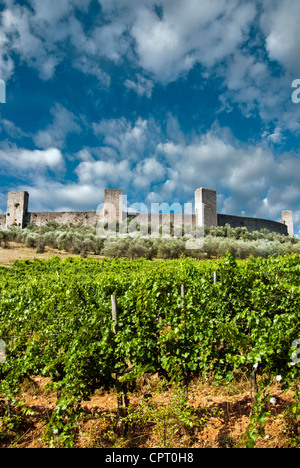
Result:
[[88, 324]]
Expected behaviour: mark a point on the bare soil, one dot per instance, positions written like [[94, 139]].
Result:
[[16, 251], [220, 417]]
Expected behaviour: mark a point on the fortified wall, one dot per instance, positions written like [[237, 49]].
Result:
[[205, 214]]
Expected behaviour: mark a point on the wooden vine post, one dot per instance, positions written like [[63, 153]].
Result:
[[114, 312], [215, 278], [120, 387], [185, 334]]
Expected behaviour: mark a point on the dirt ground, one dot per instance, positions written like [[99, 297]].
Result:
[[20, 252], [219, 418]]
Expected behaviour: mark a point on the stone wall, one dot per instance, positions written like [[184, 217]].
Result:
[[252, 224], [2, 221], [87, 219], [112, 211], [287, 219], [158, 220]]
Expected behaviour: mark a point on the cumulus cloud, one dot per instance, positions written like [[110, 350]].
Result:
[[250, 174], [280, 23], [25, 162], [21, 40], [100, 172], [35, 34], [250, 179], [127, 138], [165, 45], [164, 41], [245, 175], [189, 32], [50, 195]]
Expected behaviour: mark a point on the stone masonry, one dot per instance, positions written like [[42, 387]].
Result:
[[287, 219], [113, 206], [205, 214], [206, 207], [17, 209]]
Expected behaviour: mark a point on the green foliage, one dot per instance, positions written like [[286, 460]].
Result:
[[174, 419], [83, 240], [55, 319], [258, 420]]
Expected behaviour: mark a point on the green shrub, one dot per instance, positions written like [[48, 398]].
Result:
[[170, 248], [80, 239], [116, 247], [32, 240]]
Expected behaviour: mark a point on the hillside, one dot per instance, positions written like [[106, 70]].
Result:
[[86, 241]]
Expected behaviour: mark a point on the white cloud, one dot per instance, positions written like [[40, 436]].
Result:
[[52, 11], [94, 172], [280, 22], [64, 123], [36, 34], [12, 130], [252, 87], [148, 172], [123, 173], [20, 39], [25, 162], [142, 86], [249, 174], [48, 195], [89, 67], [166, 40], [189, 32], [130, 139]]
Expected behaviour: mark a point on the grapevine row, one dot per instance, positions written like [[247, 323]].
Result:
[[175, 318]]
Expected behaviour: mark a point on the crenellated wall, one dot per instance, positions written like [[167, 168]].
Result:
[[112, 211], [252, 224]]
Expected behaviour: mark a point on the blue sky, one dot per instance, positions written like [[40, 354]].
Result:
[[156, 97]]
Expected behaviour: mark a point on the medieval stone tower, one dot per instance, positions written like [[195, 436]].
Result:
[[206, 207], [113, 205], [17, 209], [115, 211]]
